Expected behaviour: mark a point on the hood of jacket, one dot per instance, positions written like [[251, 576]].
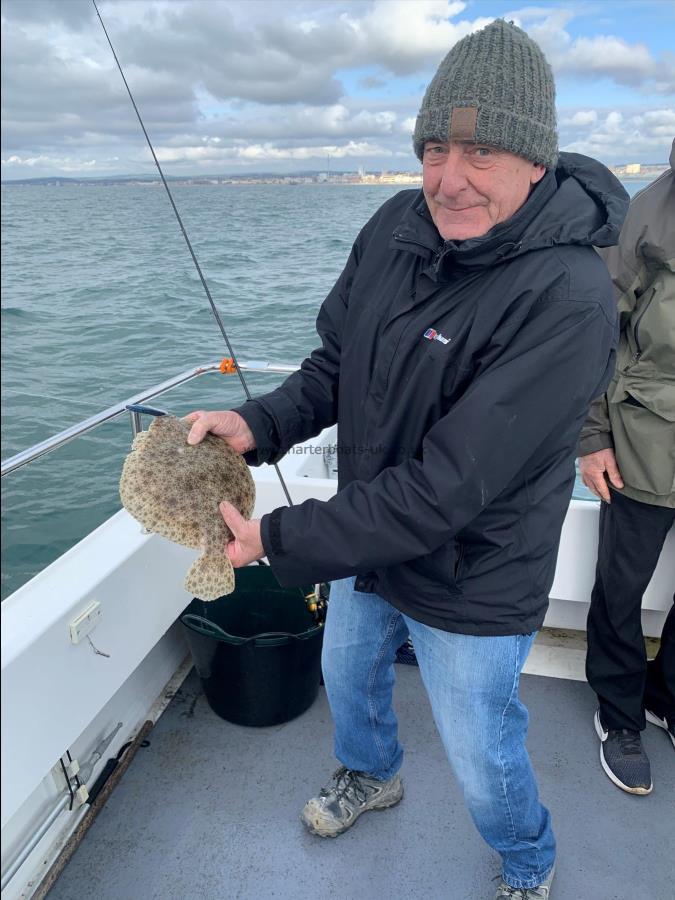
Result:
[[581, 202]]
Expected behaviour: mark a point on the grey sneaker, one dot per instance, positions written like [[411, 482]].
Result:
[[540, 892], [337, 808], [624, 759], [664, 722]]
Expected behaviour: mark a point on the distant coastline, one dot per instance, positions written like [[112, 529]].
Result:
[[218, 180], [629, 172]]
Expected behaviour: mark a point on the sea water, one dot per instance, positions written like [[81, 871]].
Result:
[[100, 300]]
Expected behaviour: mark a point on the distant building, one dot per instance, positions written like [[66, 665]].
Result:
[[399, 178], [633, 169]]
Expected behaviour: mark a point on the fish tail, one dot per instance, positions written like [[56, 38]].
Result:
[[211, 576]]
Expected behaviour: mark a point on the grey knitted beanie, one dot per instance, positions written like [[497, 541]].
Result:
[[494, 87]]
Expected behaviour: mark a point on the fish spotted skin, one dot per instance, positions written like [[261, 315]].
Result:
[[174, 489]]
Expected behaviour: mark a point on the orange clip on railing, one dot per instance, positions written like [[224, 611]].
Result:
[[227, 366]]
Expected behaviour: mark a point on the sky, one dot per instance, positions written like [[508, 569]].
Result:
[[244, 86]]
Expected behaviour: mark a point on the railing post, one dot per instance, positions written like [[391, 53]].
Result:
[[106, 415], [136, 424]]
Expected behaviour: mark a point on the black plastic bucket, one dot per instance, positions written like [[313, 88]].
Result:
[[257, 650]]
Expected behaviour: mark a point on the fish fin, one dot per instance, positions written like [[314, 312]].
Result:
[[211, 576]]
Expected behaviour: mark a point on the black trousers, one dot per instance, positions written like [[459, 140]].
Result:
[[631, 538]]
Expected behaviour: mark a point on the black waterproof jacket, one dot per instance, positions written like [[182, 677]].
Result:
[[459, 374]]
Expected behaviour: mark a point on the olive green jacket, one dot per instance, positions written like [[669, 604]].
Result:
[[637, 414]]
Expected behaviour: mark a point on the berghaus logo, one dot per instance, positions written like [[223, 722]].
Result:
[[432, 335]]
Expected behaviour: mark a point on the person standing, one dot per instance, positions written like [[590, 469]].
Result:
[[461, 347], [627, 458]]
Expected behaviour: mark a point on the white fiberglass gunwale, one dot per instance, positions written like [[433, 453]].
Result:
[[63, 698]]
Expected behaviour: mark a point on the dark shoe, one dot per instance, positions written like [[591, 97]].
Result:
[[623, 759], [337, 808], [540, 892], [662, 722]]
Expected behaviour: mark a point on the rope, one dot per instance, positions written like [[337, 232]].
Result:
[[187, 239]]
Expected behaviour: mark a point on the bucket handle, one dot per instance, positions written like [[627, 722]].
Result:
[[210, 629]]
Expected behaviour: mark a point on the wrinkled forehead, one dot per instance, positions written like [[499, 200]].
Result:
[[468, 145]]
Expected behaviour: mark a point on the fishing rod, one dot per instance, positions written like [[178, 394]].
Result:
[[214, 309]]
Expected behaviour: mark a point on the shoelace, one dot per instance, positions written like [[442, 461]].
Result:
[[630, 742], [508, 891], [347, 780], [517, 893]]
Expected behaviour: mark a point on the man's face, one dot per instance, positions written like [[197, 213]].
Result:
[[470, 188]]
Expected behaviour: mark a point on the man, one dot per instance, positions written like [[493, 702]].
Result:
[[461, 347], [627, 458]]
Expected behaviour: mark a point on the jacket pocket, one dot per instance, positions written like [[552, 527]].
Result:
[[436, 571], [647, 383], [644, 444], [443, 369]]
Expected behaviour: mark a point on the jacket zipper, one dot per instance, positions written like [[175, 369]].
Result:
[[405, 240], [636, 332]]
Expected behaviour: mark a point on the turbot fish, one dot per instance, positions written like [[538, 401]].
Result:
[[174, 489]]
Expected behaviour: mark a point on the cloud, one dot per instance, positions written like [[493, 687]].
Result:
[[222, 74], [403, 37], [600, 56], [371, 82], [64, 164], [285, 58], [620, 136], [196, 67], [210, 155], [612, 57], [296, 123], [581, 117], [75, 14]]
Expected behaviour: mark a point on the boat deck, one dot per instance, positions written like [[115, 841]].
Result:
[[210, 811]]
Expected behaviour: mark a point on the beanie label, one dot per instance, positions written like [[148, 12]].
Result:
[[463, 123], [493, 87]]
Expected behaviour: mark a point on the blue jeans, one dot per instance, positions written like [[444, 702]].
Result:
[[472, 683]]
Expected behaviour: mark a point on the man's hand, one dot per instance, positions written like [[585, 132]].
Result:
[[246, 546], [594, 467], [227, 425]]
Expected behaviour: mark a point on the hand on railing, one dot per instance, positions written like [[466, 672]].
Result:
[[227, 425]]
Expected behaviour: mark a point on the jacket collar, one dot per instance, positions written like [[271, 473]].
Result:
[[417, 232], [581, 202]]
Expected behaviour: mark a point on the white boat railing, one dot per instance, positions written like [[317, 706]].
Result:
[[12, 463]]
